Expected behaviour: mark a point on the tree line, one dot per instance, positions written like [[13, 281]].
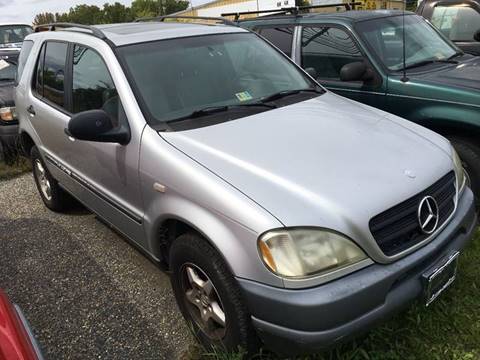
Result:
[[113, 13]]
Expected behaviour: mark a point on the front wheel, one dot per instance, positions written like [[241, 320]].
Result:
[[470, 155], [209, 297]]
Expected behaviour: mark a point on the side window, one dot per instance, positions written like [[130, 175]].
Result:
[[54, 72], [458, 22], [281, 37], [37, 82], [92, 85], [22, 59], [327, 50]]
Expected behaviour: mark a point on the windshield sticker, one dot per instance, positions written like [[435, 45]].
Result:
[[3, 64], [244, 96]]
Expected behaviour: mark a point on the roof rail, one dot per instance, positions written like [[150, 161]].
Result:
[[53, 26], [294, 10], [166, 17]]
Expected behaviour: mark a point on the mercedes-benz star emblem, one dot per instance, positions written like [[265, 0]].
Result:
[[428, 215]]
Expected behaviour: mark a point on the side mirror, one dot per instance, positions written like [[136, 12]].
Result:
[[96, 125], [355, 71], [477, 35], [312, 72]]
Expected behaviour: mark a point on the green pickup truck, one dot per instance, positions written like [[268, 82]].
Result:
[[360, 55]]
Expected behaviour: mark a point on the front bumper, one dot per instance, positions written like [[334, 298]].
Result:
[[300, 321], [8, 133]]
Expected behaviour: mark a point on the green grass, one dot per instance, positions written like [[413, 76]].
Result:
[[448, 329], [20, 166]]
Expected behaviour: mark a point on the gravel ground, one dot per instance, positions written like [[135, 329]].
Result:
[[86, 292]]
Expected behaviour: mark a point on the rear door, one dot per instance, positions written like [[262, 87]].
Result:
[[279, 35], [69, 79]]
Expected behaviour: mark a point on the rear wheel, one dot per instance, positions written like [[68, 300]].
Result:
[[209, 297], [53, 196], [470, 155]]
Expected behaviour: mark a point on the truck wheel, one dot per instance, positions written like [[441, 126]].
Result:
[[209, 297], [470, 155], [53, 196]]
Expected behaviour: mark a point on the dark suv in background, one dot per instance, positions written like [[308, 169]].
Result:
[[11, 39], [359, 55], [459, 20]]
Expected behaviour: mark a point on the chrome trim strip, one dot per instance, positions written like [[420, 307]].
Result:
[[436, 100], [353, 90], [93, 189]]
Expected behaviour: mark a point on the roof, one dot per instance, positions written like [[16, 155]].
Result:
[[351, 16], [129, 33], [14, 23]]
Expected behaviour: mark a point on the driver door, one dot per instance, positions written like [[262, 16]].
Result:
[[326, 49]]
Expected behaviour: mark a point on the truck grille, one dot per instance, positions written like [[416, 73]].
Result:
[[398, 228]]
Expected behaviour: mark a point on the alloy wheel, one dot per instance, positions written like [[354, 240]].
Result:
[[203, 302], [43, 181]]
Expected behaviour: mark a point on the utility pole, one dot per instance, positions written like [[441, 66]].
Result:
[[160, 3]]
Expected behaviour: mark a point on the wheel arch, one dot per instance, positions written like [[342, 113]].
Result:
[[26, 143], [235, 243]]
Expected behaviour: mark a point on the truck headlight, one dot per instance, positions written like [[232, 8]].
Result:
[[303, 252], [7, 113], [459, 171]]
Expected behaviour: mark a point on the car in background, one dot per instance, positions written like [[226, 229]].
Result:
[[261, 192], [11, 39], [16, 338], [459, 20], [359, 55]]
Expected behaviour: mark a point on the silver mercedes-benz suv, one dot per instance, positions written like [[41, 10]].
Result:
[[285, 213]]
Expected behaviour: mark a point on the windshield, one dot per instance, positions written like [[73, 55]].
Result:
[[176, 77], [7, 71], [13, 34], [422, 42]]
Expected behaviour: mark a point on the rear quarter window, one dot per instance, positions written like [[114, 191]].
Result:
[[281, 37], [22, 59]]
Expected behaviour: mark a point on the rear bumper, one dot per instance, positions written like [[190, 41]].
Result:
[[299, 321]]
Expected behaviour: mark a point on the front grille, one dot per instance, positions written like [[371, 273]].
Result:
[[398, 229]]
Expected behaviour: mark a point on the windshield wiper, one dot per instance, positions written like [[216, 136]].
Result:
[[427, 62], [286, 93], [216, 109]]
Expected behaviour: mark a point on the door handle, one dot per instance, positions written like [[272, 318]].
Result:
[[31, 111]]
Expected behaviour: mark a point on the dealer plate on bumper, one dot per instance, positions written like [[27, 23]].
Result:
[[440, 278]]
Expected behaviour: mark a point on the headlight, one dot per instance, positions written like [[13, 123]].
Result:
[[459, 171], [298, 253], [7, 113]]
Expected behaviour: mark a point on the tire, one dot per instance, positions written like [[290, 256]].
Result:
[[192, 252], [53, 196], [470, 155]]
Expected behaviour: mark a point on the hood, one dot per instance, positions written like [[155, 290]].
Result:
[[327, 162], [466, 74]]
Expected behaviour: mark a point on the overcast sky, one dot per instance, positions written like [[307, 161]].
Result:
[[25, 10]]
